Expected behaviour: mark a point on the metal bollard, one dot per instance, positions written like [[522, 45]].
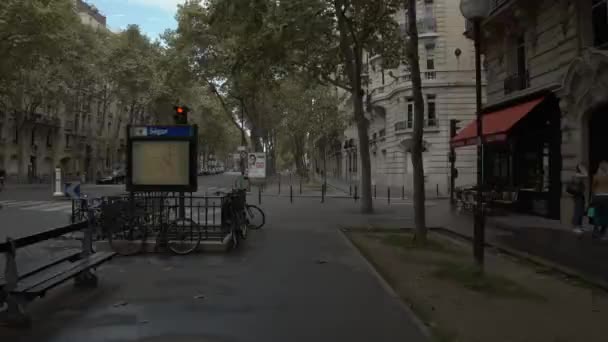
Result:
[[403, 192], [350, 190], [259, 195], [356, 193], [279, 184], [375, 194], [323, 193], [437, 189], [388, 190], [290, 193], [300, 185]]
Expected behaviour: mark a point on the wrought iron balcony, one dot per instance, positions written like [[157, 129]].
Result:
[[409, 125]]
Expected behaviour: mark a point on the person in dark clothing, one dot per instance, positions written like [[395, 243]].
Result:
[[2, 178], [577, 190]]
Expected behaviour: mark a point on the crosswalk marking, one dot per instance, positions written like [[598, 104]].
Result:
[[64, 207], [44, 206], [22, 203]]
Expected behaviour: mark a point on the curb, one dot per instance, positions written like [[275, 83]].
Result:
[[423, 328], [555, 267]]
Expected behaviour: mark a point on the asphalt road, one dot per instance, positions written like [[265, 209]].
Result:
[[298, 279]]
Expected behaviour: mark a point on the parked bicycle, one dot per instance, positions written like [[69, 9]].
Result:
[[130, 224], [233, 215]]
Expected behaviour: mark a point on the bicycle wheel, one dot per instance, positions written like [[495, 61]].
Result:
[[255, 217], [127, 238], [183, 236]]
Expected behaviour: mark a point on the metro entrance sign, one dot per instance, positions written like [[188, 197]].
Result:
[[162, 158]]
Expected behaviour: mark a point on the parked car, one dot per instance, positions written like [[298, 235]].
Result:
[[117, 176]]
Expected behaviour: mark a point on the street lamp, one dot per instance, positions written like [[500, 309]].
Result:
[[475, 11]]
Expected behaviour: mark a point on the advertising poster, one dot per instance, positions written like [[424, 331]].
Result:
[[256, 165]]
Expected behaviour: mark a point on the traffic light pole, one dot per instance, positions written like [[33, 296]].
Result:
[[181, 118]]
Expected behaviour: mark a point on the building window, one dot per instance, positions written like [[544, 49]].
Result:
[[431, 115], [518, 78], [410, 113], [33, 138], [521, 56], [599, 21], [67, 141], [428, 9], [430, 57], [49, 140]]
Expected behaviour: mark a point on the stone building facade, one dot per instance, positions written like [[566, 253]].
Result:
[[82, 142], [554, 52], [448, 86]]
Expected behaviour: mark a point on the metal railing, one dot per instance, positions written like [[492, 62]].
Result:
[[408, 125], [429, 75], [156, 210]]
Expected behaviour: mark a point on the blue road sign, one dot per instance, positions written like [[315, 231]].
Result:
[[72, 190], [162, 131]]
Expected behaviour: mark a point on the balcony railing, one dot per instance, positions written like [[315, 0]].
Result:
[[516, 82], [430, 75], [408, 125]]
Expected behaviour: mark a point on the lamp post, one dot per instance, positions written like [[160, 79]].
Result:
[[242, 138], [475, 11]]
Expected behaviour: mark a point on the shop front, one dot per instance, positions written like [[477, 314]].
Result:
[[521, 154]]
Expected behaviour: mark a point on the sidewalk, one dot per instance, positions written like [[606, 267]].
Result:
[[547, 239]]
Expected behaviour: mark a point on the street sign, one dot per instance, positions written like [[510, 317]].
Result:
[[162, 158], [72, 190], [241, 148], [256, 163]]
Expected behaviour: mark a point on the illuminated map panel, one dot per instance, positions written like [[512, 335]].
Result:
[[161, 163]]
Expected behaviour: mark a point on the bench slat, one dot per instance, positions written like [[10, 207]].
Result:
[[55, 258], [39, 283]]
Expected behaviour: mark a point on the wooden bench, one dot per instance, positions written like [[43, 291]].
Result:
[[21, 285]]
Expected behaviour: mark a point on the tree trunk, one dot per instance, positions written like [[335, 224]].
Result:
[[353, 55], [366, 171], [416, 147]]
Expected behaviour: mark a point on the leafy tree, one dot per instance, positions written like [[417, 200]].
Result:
[[328, 39], [416, 146]]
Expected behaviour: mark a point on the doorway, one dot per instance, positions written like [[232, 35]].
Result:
[[598, 138]]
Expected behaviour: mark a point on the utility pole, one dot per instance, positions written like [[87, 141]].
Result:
[[452, 158], [242, 139]]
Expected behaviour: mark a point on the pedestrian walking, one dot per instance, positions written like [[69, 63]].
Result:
[[600, 200], [576, 188], [2, 177]]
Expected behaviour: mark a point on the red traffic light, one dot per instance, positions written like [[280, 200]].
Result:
[[180, 110]]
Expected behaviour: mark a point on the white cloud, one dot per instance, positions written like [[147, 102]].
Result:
[[165, 5]]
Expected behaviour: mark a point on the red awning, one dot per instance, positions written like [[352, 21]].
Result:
[[495, 124]]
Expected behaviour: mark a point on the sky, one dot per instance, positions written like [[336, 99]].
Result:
[[152, 16]]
